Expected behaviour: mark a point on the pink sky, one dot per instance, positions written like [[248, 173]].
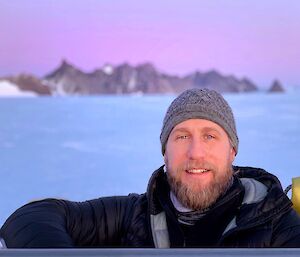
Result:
[[257, 39]]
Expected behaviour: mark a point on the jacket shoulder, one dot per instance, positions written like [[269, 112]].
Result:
[[287, 230]]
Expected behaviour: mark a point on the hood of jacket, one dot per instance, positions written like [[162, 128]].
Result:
[[264, 197]]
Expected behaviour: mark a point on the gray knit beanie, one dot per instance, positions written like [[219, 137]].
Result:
[[202, 104]]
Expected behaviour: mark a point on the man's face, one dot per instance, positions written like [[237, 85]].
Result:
[[198, 159]]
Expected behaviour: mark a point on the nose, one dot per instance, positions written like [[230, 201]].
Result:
[[197, 149]]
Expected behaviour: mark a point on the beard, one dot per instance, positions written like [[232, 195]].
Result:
[[197, 196]]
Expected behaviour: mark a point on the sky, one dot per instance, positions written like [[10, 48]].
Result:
[[257, 39]]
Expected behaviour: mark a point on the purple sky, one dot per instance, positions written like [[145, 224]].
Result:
[[253, 38]]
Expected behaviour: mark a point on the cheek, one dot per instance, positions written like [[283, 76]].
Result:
[[173, 159], [172, 154], [223, 156]]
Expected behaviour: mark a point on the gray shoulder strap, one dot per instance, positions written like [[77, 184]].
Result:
[[159, 229], [2, 243]]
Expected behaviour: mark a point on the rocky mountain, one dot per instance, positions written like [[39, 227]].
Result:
[[28, 83], [276, 87], [144, 78], [218, 82], [124, 79]]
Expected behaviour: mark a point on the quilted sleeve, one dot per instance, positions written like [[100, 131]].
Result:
[[53, 223]]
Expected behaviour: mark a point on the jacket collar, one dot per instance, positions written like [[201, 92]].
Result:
[[259, 185], [263, 199]]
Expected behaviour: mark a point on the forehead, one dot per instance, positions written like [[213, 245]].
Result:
[[196, 124]]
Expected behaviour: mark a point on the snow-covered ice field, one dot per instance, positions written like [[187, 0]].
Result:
[[80, 148]]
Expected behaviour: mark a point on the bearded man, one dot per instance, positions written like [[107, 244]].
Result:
[[198, 199]]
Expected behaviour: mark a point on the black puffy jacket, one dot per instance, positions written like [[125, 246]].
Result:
[[264, 219]]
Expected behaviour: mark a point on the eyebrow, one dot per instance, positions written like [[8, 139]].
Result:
[[211, 129], [205, 129], [179, 130]]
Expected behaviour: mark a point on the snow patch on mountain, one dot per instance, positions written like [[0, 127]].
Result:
[[8, 89], [108, 69]]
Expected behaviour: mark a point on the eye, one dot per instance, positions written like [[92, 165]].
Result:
[[209, 137], [182, 137]]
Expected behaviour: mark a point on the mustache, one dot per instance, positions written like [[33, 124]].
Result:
[[196, 165]]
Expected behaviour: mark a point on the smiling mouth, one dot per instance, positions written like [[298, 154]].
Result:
[[197, 171]]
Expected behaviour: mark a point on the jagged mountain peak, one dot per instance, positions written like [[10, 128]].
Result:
[[213, 73], [124, 65], [146, 66], [65, 65], [64, 68], [276, 87]]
